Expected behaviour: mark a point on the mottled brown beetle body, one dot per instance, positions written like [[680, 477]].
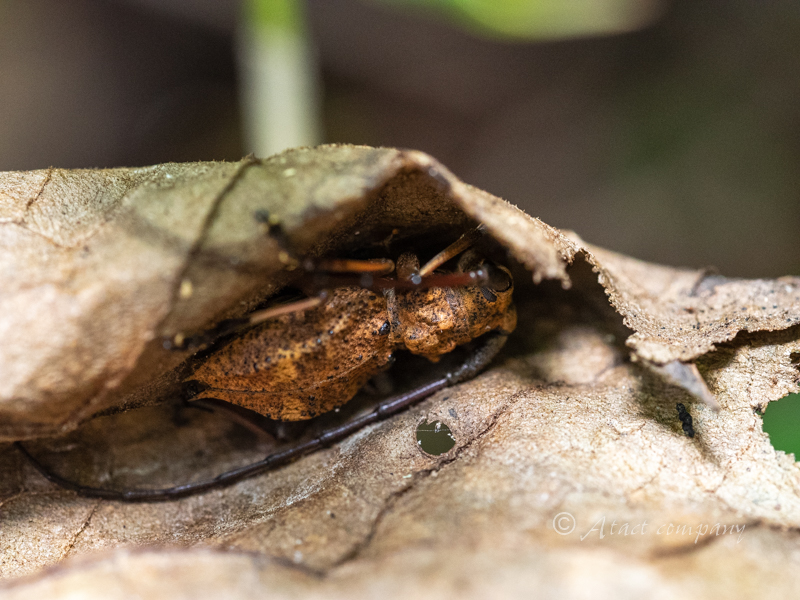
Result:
[[299, 360], [303, 364]]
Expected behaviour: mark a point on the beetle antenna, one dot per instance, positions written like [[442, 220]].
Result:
[[284, 309], [477, 361], [454, 249]]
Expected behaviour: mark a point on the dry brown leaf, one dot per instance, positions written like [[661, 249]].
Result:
[[565, 422]]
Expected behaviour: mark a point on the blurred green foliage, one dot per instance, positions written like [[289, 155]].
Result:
[[512, 19], [286, 15], [782, 423], [542, 19]]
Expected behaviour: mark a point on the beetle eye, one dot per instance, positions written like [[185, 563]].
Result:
[[499, 280], [488, 294]]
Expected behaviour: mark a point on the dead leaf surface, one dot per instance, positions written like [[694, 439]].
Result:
[[563, 424]]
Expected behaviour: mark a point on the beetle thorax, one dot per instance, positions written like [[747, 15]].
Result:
[[434, 321]]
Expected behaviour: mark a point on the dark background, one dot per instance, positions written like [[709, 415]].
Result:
[[678, 143]]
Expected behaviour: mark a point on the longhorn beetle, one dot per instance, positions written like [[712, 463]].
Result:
[[299, 360]]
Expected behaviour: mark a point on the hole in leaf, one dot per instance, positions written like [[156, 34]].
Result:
[[434, 438], [782, 423]]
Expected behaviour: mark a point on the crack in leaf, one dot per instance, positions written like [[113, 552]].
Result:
[[33, 200], [208, 223], [78, 533], [360, 547]]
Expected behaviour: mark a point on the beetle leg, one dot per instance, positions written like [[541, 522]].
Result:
[[329, 273], [241, 416], [284, 309], [376, 266], [479, 359], [229, 326], [367, 281], [475, 363]]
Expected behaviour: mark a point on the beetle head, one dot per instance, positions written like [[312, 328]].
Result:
[[434, 321]]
